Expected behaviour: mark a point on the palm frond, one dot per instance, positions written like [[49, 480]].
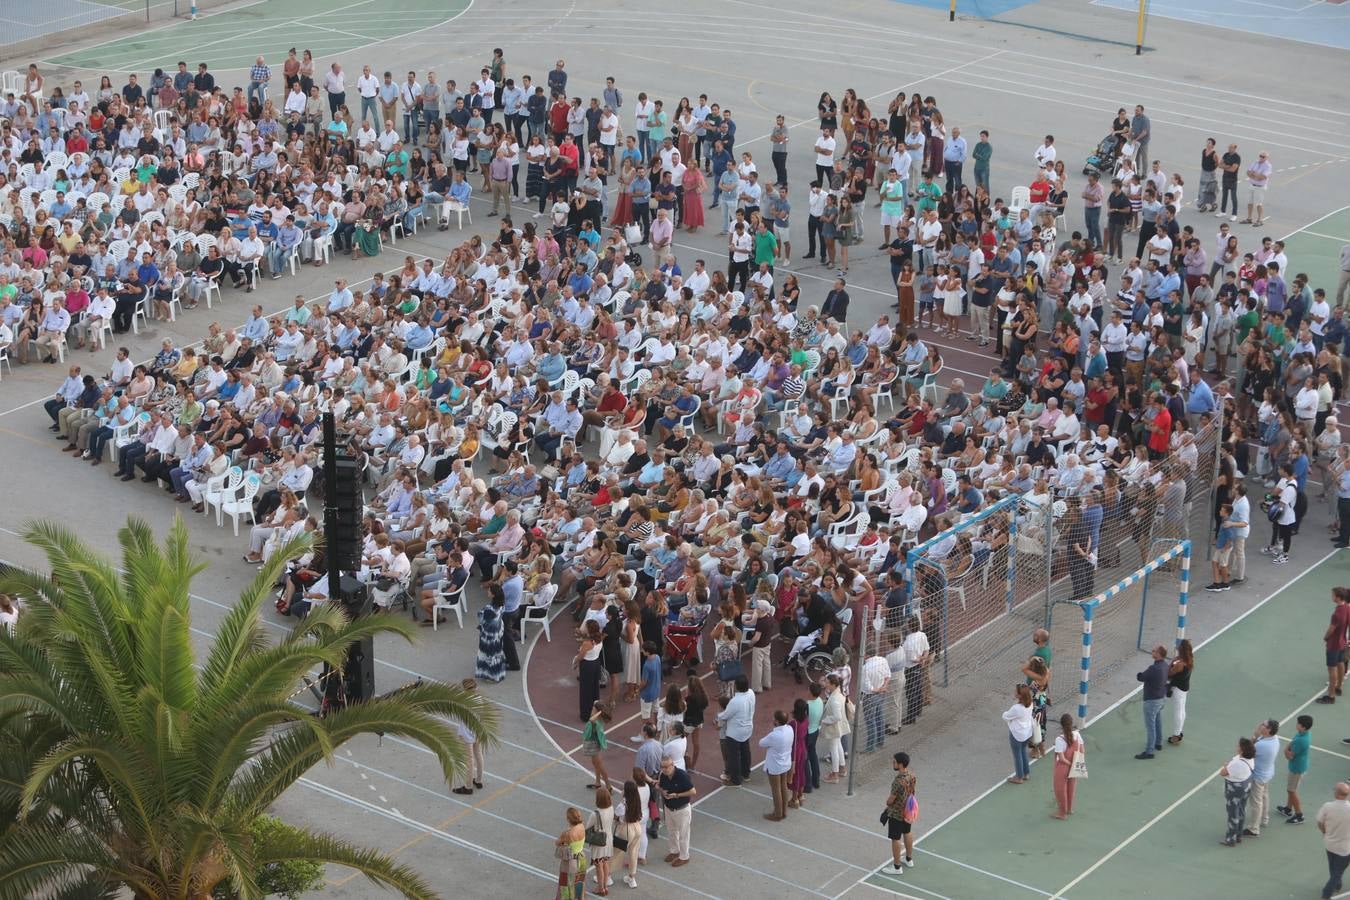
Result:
[[322, 848]]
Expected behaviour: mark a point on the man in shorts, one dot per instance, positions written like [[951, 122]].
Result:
[[892, 206], [1297, 754], [1336, 641], [897, 829]]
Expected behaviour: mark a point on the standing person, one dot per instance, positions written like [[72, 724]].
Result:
[[1020, 726], [1342, 538], [917, 654], [1335, 639], [1263, 770], [739, 718], [815, 710], [1231, 162], [650, 689], [594, 742], [602, 819], [571, 850], [629, 830], [1282, 529], [587, 663], [799, 777], [1155, 692], [473, 747], [1094, 195], [695, 706], [898, 828], [1067, 746], [1178, 686], [1208, 198], [778, 745], [876, 679], [1333, 820], [778, 140], [760, 617], [833, 726], [1297, 754], [490, 663], [983, 152], [1141, 132], [1237, 780], [1258, 179], [630, 637], [677, 791]]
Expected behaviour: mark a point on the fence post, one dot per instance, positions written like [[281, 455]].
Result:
[[857, 704], [1085, 664], [1143, 609], [1185, 590], [1217, 431], [1012, 555], [1049, 553]]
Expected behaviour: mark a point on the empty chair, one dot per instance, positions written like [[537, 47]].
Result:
[[242, 504]]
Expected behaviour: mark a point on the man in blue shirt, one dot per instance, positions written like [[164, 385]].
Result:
[[419, 335], [1200, 398], [1155, 694], [953, 157], [513, 591], [1263, 771]]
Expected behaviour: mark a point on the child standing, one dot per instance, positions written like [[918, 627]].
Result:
[[1297, 754], [650, 690], [1223, 549], [925, 283]]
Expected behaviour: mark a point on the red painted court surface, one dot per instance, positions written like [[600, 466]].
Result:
[[552, 692]]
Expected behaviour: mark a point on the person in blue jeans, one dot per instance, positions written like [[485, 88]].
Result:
[[1020, 726], [876, 677], [1155, 693]]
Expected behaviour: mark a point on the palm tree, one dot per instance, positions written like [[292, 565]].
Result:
[[125, 766]]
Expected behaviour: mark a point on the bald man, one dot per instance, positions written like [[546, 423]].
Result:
[[1333, 820]]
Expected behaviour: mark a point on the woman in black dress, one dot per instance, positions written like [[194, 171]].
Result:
[[695, 704], [588, 664], [611, 653]]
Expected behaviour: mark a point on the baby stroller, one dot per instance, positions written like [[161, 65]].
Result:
[[681, 646], [1102, 161]]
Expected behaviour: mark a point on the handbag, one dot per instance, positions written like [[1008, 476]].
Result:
[[729, 670], [911, 809], [1036, 735], [595, 835], [1078, 768], [632, 233], [885, 816]]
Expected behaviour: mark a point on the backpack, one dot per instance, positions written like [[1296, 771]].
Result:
[[911, 814]]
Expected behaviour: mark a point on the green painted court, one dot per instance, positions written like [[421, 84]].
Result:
[[1154, 826], [1316, 249], [270, 28]]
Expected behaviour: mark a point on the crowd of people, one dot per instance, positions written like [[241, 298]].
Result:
[[667, 442]]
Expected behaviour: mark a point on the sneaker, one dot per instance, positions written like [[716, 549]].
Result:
[[1218, 215], [1225, 586], [1280, 560], [630, 881], [1267, 551], [1232, 218], [1284, 811], [1143, 756], [1326, 698], [636, 739], [898, 868], [1294, 820], [1213, 586], [909, 861], [1236, 581]]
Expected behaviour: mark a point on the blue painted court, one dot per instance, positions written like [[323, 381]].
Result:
[[1321, 22]]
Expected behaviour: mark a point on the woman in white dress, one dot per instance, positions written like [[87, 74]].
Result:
[[952, 292]]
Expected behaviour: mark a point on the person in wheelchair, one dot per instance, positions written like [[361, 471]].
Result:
[[822, 629]]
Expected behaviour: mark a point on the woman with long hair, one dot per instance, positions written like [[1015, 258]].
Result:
[[1020, 725], [570, 848], [1178, 686], [1067, 745], [603, 819], [628, 827], [797, 781], [695, 705], [594, 742]]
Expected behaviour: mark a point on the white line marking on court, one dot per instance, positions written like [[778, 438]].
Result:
[[1330, 237], [1316, 221], [891, 892], [1160, 816], [887, 876], [1130, 694]]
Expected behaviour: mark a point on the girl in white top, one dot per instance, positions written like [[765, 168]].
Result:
[[1067, 744], [1019, 722]]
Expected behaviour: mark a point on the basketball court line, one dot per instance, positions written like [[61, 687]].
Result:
[[1107, 711], [1160, 816]]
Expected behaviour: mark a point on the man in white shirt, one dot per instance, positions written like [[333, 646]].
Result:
[[1046, 153], [876, 679], [739, 718], [777, 745], [825, 146], [368, 87], [1258, 179], [410, 94]]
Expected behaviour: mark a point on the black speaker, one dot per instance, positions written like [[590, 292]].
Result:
[[359, 673], [357, 683], [343, 531]]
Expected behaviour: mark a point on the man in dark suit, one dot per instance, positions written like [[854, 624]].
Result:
[[836, 303]]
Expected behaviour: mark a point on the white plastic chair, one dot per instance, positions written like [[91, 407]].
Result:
[[4, 361], [930, 384], [219, 488], [242, 504], [538, 614], [1020, 198], [448, 598], [459, 209]]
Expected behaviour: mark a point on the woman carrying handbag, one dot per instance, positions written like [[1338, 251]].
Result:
[[1070, 766], [600, 839]]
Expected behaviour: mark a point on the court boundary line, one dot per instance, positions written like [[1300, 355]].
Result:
[[1059, 894], [1125, 698], [1331, 237]]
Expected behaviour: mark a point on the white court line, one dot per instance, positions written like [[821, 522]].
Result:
[[909, 887], [1331, 237], [1316, 221], [931, 37], [1172, 806], [1130, 694], [170, 24]]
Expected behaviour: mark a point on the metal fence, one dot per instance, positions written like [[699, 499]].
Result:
[[981, 588]]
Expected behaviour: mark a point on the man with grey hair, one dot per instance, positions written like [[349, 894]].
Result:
[[1333, 820], [677, 793]]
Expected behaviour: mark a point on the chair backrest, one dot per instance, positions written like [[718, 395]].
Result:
[[1021, 196], [251, 485], [812, 361], [234, 475], [641, 377], [118, 250], [96, 200], [9, 81], [56, 160]]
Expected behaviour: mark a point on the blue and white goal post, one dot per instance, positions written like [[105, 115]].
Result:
[[1181, 549]]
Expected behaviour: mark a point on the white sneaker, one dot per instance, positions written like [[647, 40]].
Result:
[[897, 868], [1232, 218], [1218, 215], [636, 739], [909, 861], [630, 881]]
